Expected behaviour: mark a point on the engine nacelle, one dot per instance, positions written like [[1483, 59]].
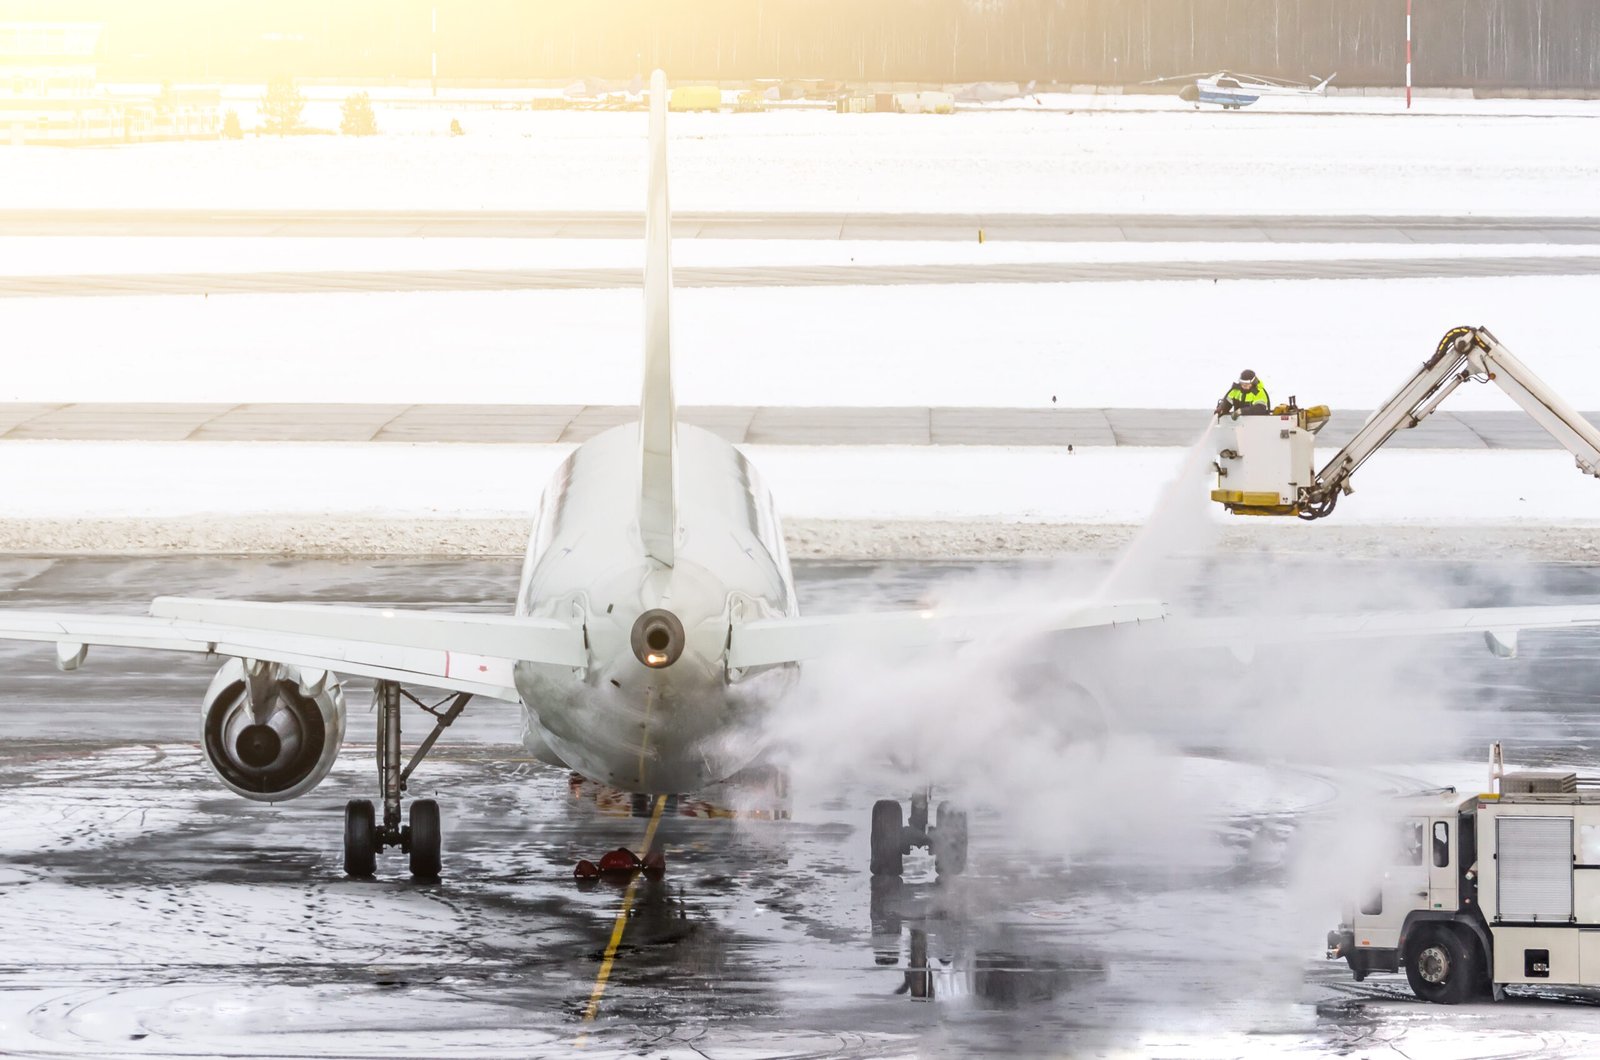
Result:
[[271, 732]]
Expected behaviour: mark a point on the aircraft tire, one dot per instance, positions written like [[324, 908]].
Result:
[[425, 840], [360, 839], [950, 841], [888, 844]]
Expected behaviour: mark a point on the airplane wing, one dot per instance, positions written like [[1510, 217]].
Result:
[[1499, 625], [446, 650], [768, 641], [779, 640]]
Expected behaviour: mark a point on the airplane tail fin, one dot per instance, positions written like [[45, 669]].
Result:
[[658, 415]]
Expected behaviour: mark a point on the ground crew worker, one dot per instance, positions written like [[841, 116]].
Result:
[[1248, 397]]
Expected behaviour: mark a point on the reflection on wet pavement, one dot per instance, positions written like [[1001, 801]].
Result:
[[147, 912]]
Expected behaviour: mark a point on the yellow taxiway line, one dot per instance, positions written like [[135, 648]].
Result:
[[620, 926]]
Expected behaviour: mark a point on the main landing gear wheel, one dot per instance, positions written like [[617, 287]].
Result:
[[1440, 964], [424, 839], [950, 841], [421, 838], [893, 837], [888, 843], [360, 839]]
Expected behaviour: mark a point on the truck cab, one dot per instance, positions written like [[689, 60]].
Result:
[[1429, 850]]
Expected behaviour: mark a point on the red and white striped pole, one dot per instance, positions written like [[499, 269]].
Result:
[[1408, 54]]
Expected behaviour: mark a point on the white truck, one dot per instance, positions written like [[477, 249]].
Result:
[[1485, 891]]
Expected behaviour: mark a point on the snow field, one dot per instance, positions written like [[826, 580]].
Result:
[[982, 485], [1159, 344], [1474, 160], [1169, 344], [91, 255]]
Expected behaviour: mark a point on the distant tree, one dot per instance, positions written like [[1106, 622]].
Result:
[[357, 119], [455, 127], [230, 126], [281, 106]]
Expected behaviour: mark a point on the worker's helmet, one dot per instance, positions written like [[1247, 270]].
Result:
[[1247, 376]]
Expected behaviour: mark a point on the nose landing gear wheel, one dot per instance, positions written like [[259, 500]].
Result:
[[424, 839], [888, 843], [360, 839]]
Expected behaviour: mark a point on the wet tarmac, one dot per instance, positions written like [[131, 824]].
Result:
[[149, 913]]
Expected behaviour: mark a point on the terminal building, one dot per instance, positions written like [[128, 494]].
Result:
[[50, 94]]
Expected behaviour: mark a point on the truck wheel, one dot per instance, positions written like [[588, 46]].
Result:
[[1440, 965]]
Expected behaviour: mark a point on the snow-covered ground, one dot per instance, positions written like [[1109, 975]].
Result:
[[1156, 344], [78, 255], [987, 484], [1474, 160], [1166, 344]]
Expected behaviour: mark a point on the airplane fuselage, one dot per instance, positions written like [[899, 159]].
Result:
[[677, 727]]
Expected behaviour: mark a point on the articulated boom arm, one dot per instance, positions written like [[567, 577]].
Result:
[[1463, 355]]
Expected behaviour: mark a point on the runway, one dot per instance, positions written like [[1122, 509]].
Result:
[[690, 224], [743, 425], [147, 912]]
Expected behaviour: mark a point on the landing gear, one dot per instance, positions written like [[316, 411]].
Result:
[[364, 837], [887, 845], [949, 841], [360, 839], [892, 840], [423, 839]]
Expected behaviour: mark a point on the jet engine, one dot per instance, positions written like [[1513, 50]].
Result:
[[270, 731]]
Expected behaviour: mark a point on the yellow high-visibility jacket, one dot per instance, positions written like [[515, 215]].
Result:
[[1258, 396]]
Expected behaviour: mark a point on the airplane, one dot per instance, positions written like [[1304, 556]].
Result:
[[655, 627], [1232, 91]]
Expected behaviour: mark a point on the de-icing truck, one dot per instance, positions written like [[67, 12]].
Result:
[[1484, 891]]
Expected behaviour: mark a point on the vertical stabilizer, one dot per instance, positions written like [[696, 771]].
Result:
[[658, 414]]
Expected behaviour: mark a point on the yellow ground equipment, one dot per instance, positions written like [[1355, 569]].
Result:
[[695, 97], [1266, 464]]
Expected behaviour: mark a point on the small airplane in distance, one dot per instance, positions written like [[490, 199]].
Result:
[[1231, 91]]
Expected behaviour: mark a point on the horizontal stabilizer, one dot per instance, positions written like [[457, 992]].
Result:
[[769, 641], [507, 636], [1499, 626], [433, 649]]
